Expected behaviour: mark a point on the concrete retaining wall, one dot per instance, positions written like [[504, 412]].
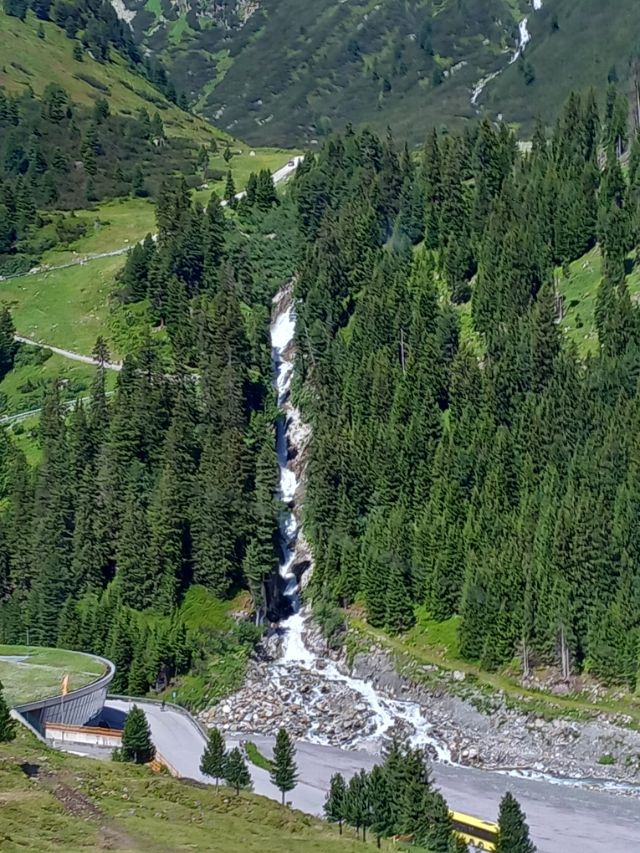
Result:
[[83, 735], [76, 708]]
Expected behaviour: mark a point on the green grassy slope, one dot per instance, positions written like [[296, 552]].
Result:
[[25, 386], [591, 38], [291, 71], [76, 805], [37, 673], [26, 60], [432, 644], [579, 293]]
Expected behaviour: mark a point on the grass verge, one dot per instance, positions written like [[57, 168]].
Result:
[[429, 653], [30, 673], [76, 805], [256, 757]]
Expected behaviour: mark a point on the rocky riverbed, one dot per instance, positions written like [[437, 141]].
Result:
[[325, 703], [297, 682]]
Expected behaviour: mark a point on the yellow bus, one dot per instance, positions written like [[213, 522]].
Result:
[[482, 834]]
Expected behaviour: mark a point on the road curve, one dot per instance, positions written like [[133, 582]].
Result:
[[563, 819], [73, 356], [179, 739]]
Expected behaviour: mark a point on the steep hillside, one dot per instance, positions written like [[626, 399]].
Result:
[[283, 71], [55, 802], [574, 45], [36, 53]]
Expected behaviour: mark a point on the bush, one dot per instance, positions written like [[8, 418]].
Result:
[[93, 82], [331, 622]]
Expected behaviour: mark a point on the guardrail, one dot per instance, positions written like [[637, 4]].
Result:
[[139, 700]]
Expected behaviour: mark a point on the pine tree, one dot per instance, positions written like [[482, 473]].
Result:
[[8, 346], [236, 773], [399, 615], [230, 190], [137, 746], [284, 771], [435, 827], [513, 832], [214, 756], [335, 802], [7, 723], [380, 804], [355, 802]]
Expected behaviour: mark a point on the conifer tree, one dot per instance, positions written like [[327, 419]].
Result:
[[8, 346], [214, 756], [137, 746], [230, 190], [379, 803], [284, 772], [335, 802], [434, 828], [7, 723], [236, 773], [356, 802], [513, 832]]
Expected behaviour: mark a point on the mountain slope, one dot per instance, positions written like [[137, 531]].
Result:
[[27, 59], [573, 46], [283, 71], [57, 802]]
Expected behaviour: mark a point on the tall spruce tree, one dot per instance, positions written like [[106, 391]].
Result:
[[284, 771], [7, 723], [137, 745], [335, 802], [513, 832], [214, 756], [236, 772]]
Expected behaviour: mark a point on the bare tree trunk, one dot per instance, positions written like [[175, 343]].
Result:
[[526, 669], [564, 654]]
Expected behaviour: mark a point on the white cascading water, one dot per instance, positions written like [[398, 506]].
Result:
[[296, 655], [524, 37]]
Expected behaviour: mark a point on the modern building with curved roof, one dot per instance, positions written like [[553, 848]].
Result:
[[78, 707]]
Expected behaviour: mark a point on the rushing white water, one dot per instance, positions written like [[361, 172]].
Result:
[[298, 661], [524, 37], [296, 654]]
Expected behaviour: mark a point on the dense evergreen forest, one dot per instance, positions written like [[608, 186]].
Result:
[[56, 155], [464, 457], [171, 482], [480, 469]]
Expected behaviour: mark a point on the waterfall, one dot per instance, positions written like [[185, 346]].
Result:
[[524, 37], [283, 329], [297, 657]]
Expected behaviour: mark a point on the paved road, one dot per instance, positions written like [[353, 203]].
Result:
[[278, 176], [73, 356], [563, 819]]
